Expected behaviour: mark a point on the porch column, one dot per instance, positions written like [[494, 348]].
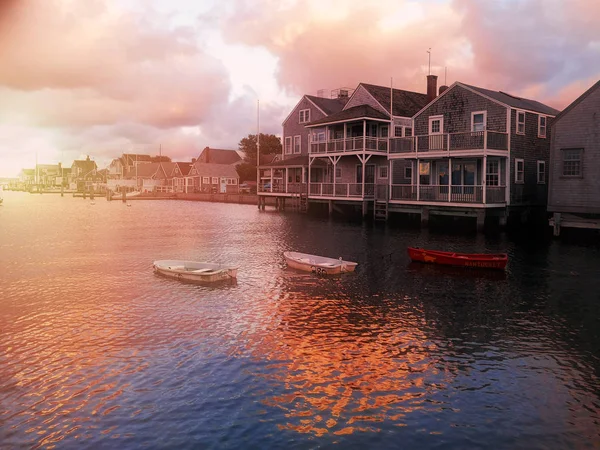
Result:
[[308, 180], [345, 135], [334, 168], [418, 180], [364, 137], [483, 177], [363, 178], [449, 179], [272, 179], [287, 174], [326, 138]]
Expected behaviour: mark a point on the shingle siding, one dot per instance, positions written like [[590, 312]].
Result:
[[531, 149], [456, 106], [362, 97], [292, 127], [577, 128]]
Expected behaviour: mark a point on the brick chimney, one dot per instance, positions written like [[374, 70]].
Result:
[[431, 87], [207, 154]]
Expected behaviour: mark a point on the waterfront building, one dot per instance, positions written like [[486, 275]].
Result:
[[212, 178], [574, 189], [475, 152], [121, 166], [81, 171], [219, 156]]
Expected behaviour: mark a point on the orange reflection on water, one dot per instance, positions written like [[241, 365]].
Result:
[[345, 367]]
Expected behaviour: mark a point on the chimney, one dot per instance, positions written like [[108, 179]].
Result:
[[442, 89], [431, 87], [193, 160], [206, 154]]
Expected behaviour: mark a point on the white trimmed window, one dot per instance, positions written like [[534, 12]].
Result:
[[478, 120], [304, 116], [408, 131], [383, 131], [338, 173], [232, 181], [383, 172], [408, 172], [321, 136], [215, 180], [542, 126], [492, 177], [541, 172], [571, 159], [520, 122], [297, 148], [205, 180], [397, 131], [288, 145], [519, 171], [436, 124]]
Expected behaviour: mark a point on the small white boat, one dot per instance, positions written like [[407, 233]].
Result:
[[194, 270], [318, 264]]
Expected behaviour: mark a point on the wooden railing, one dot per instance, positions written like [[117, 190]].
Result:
[[282, 188], [445, 193], [342, 190], [353, 144], [448, 142]]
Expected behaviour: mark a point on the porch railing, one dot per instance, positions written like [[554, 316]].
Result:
[[342, 190], [281, 188], [447, 142], [353, 144], [445, 193]]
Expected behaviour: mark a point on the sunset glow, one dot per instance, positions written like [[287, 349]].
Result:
[[104, 77]]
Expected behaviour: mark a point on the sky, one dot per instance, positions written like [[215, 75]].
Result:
[[106, 77]]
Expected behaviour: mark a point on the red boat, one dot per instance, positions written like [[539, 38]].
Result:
[[474, 260]]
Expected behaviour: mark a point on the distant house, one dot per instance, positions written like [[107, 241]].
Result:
[[219, 156], [125, 163], [79, 170], [26, 177], [574, 186], [213, 178]]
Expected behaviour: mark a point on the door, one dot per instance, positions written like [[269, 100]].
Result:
[[436, 133], [223, 185]]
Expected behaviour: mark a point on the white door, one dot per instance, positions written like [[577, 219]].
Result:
[[223, 185]]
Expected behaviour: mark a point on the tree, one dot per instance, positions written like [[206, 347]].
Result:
[[269, 145]]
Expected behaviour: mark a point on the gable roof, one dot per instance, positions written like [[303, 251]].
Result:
[[514, 101], [86, 165], [356, 112], [220, 156], [184, 167], [405, 103], [146, 170], [215, 170], [328, 105], [578, 100]]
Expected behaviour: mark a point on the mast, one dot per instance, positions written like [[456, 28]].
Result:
[[257, 143]]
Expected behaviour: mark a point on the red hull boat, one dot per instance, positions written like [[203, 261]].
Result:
[[473, 260]]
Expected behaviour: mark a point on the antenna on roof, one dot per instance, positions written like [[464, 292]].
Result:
[[429, 51], [391, 98], [445, 76]]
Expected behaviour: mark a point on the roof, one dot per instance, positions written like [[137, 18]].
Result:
[[328, 105], [215, 170], [515, 102], [184, 167], [406, 103], [86, 165], [356, 112], [129, 159], [146, 170], [220, 156], [578, 100], [301, 160]]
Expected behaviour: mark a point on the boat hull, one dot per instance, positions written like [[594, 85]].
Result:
[[470, 260], [194, 271], [318, 264]]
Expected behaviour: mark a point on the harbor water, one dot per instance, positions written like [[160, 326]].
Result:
[[97, 351]]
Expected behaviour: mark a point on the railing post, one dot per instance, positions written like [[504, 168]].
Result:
[[326, 139], [449, 179], [418, 181], [485, 141], [483, 183]]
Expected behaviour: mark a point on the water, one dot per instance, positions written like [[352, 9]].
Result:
[[96, 351]]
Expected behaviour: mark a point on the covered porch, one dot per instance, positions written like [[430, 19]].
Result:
[[449, 181], [284, 178]]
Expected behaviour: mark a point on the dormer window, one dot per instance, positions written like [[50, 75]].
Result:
[[520, 122], [304, 116]]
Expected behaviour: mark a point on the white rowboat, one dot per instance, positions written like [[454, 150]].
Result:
[[318, 264], [194, 270]]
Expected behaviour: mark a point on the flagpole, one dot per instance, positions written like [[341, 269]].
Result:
[[257, 143]]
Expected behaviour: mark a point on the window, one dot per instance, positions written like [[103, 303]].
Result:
[[383, 172], [408, 173], [398, 131], [424, 171], [542, 126], [541, 172], [215, 180], [297, 144], [205, 180], [408, 131], [478, 120], [321, 136], [492, 177], [304, 115], [436, 124], [288, 145], [572, 162], [519, 171], [338, 172], [520, 122], [383, 132]]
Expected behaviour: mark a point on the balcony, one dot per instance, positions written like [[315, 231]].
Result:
[[449, 142], [350, 145], [342, 190], [450, 194]]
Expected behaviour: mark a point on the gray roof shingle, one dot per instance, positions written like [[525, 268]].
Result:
[[406, 103], [328, 105], [356, 112], [515, 102]]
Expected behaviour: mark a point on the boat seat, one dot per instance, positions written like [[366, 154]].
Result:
[[202, 270], [328, 264], [176, 267]]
